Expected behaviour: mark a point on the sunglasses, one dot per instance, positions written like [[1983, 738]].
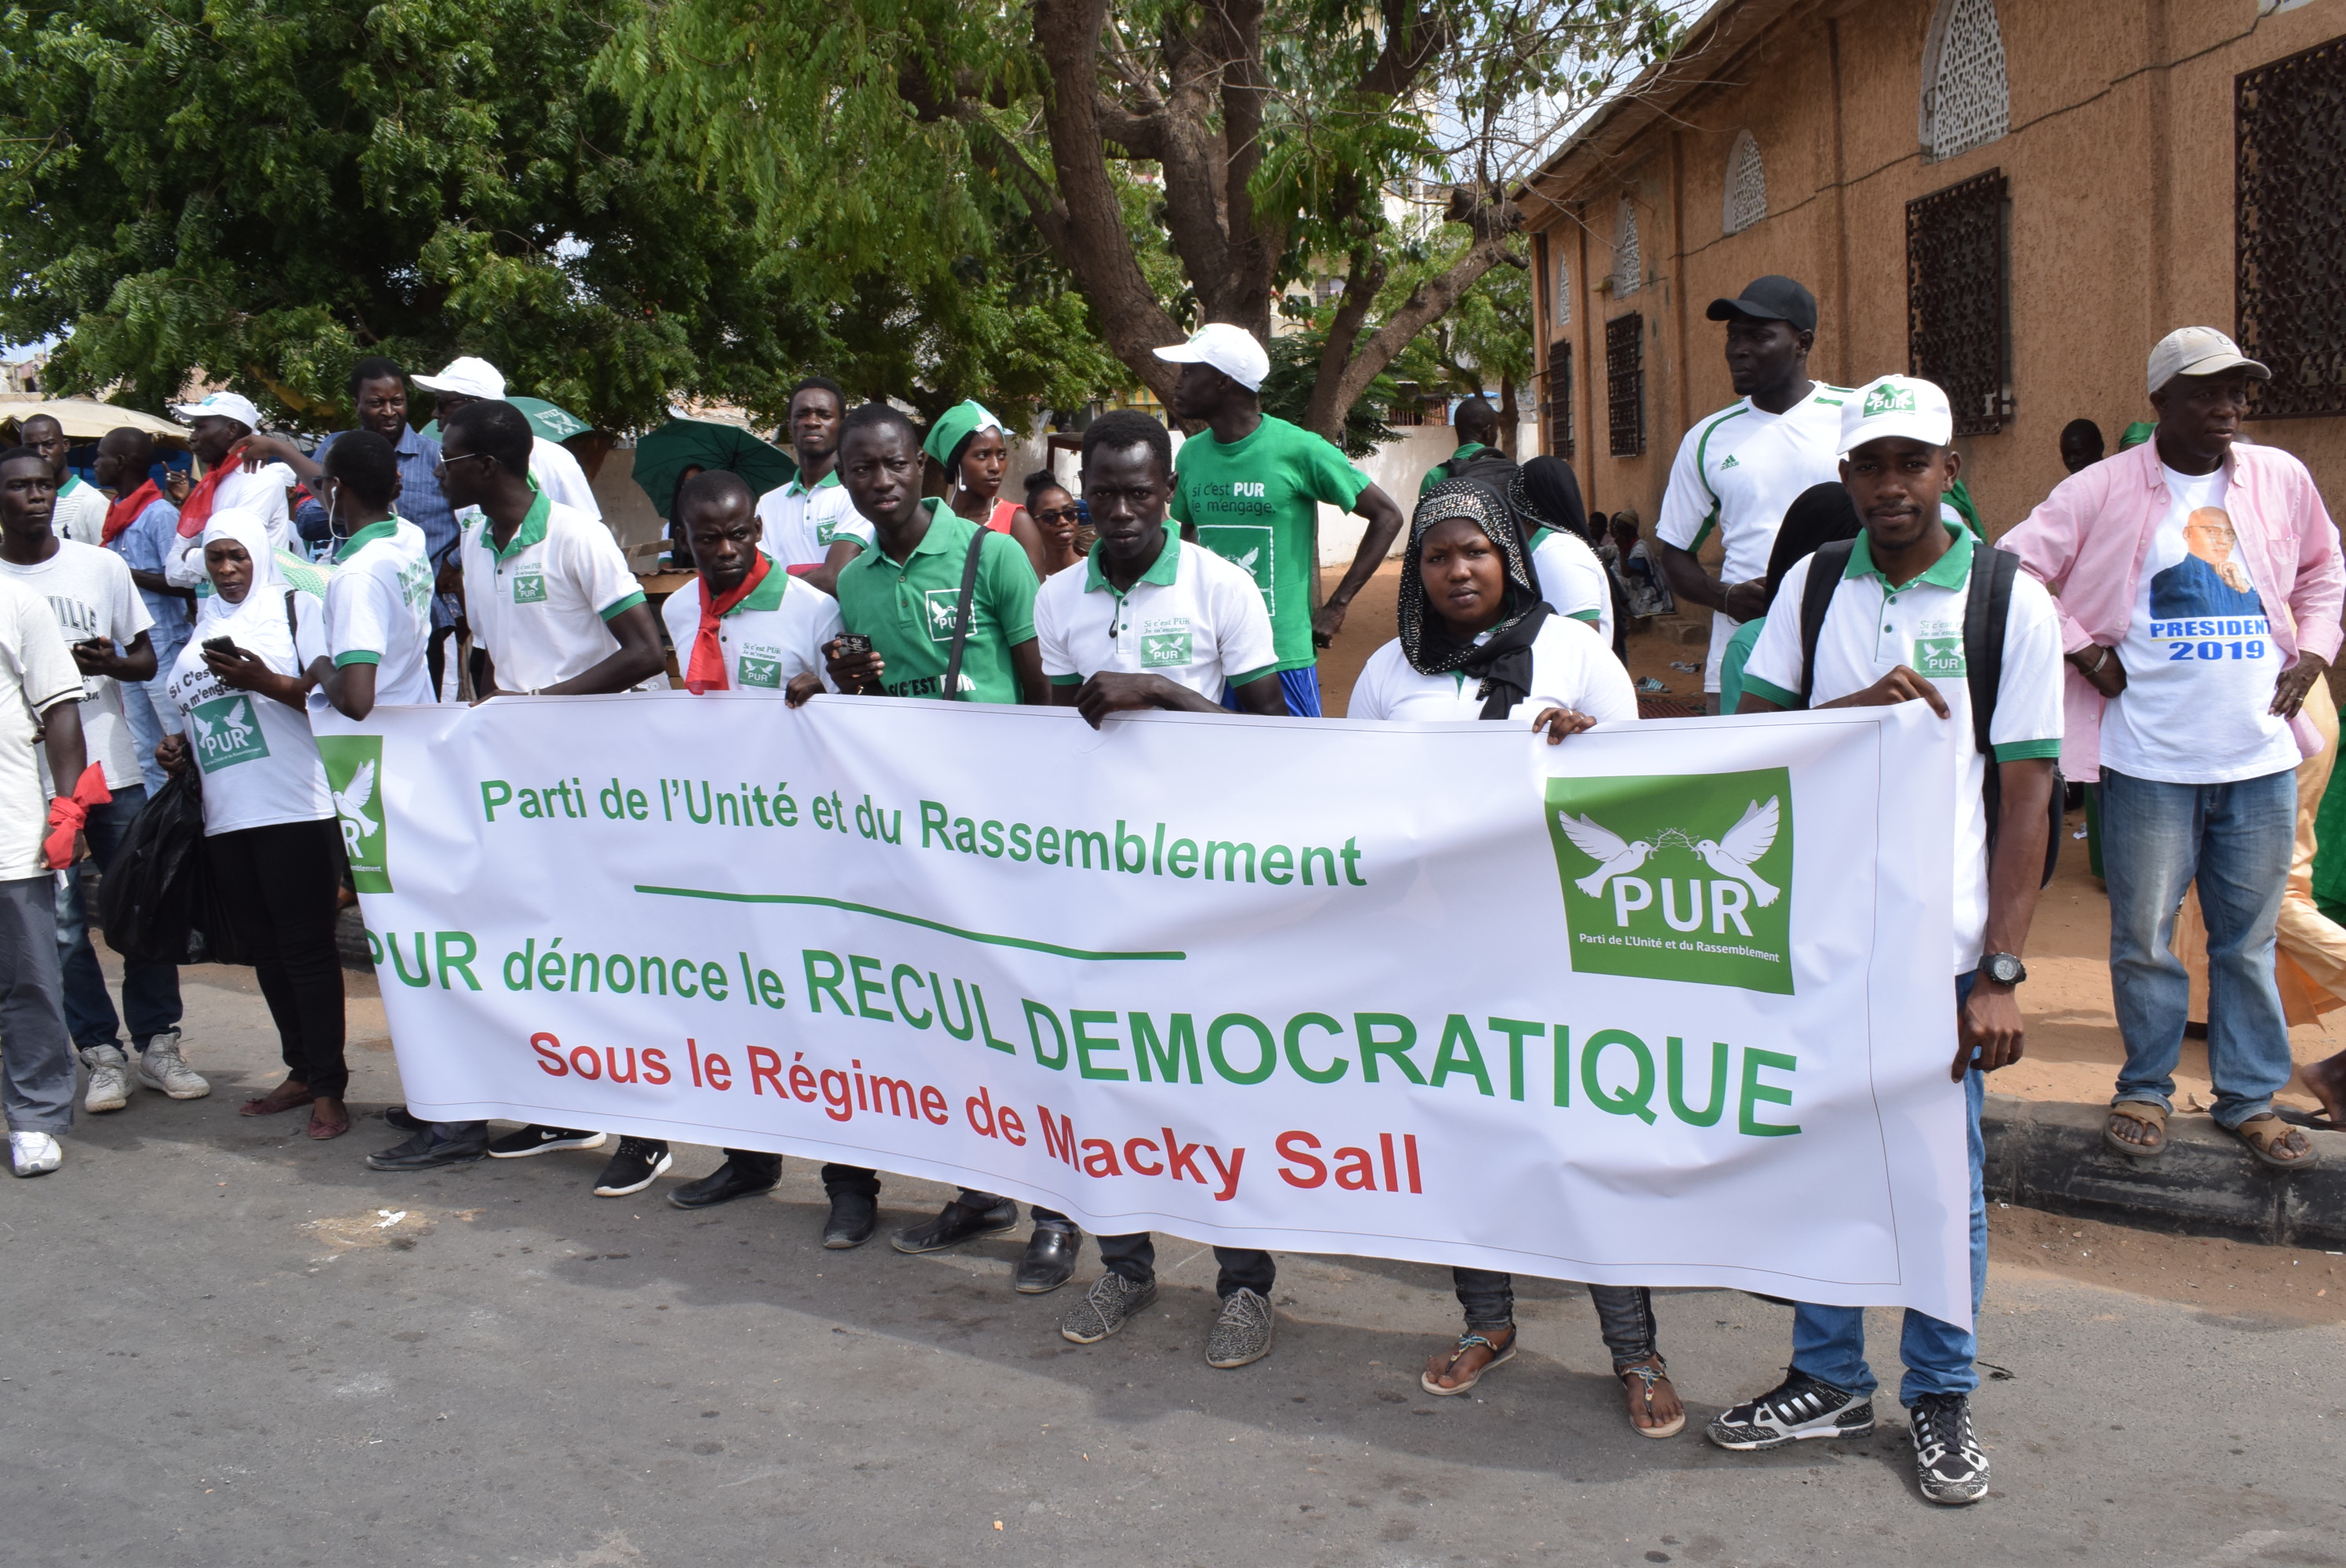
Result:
[[1063, 514]]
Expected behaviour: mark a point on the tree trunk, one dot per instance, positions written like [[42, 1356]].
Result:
[[1508, 417]]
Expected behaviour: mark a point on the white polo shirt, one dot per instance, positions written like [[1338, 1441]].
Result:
[[1736, 471], [1193, 617], [558, 475], [378, 611], [1573, 580], [1569, 669], [1871, 628], [803, 524], [36, 673], [80, 512], [774, 634], [541, 605]]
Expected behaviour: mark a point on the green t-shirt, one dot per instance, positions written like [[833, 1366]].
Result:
[[1731, 662], [907, 609], [1254, 503]]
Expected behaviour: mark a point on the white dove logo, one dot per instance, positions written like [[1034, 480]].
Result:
[[1750, 837], [1615, 856], [350, 804], [1245, 562]]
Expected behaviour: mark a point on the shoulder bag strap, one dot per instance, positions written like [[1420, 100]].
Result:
[[962, 607], [1825, 569]]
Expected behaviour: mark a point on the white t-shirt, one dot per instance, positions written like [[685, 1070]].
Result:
[[379, 612], [558, 475], [1871, 628], [2200, 656], [1192, 617], [1569, 669], [802, 525], [541, 608], [80, 512], [776, 633], [36, 673], [1736, 471], [260, 492], [1573, 580], [259, 760], [90, 593]]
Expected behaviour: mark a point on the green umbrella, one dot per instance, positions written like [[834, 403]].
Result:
[[662, 457], [555, 423]]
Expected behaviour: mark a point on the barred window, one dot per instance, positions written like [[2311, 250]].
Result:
[[1624, 383], [1966, 102], [1746, 202], [1628, 265], [1956, 321], [1555, 400], [2291, 191], [1559, 288]]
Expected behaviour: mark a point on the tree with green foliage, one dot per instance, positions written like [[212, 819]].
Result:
[[260, 191], [1257, 143]]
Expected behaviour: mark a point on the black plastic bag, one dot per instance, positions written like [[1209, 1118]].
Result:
[[147, 901]]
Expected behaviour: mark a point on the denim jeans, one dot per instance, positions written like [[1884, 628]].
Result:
[[150, 990], [2236, 840], [150, 716], [1625, 1313], [1242, 1267], [1828, 1342], [37, 1064]]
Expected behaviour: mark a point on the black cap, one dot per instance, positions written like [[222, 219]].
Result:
[[1771, 298]]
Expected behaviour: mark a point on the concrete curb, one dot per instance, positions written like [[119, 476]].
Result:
[[2051, 1157]]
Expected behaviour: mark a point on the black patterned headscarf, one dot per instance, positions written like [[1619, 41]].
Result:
[[1503, 659]]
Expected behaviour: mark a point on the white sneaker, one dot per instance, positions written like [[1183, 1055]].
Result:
[[160, 1066], [35, 1154], [109, 1085]]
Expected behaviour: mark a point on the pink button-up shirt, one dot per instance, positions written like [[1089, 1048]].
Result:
[[2086, 542]]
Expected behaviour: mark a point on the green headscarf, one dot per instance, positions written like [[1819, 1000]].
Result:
[[956, 425], [2136, 435]]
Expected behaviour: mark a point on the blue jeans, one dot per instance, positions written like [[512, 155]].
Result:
[[1828, 1342], [2236, 840], [150, 990], [151, 715]]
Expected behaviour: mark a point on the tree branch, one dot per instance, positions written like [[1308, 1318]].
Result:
[[1494, 220]]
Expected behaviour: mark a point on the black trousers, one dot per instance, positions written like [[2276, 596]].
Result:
[[1625, 1313], [279, 885], [1242, 1267], [857, 1179]]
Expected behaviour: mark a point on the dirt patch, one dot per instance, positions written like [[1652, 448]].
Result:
[[398, 1228], [2246, 1284]]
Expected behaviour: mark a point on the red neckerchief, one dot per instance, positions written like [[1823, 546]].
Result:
[[125, 512], [705, 672], [196, 509]]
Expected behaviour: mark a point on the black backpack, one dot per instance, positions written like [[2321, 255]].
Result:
[[1984, 612]]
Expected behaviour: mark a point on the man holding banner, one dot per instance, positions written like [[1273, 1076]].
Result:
[[1895, 609]]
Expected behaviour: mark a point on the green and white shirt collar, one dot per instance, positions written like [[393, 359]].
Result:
[[1164, 571]]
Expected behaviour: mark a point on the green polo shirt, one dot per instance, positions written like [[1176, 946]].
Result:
[[906, 608]]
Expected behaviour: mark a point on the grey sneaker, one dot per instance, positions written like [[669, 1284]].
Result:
[[109, 1085], [1242, 1333], [160, 1066], [1796, 1409], [1111, 1303], [1948, 1463]]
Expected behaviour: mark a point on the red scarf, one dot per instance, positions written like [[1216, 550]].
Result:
[[707, 670], [196, 509], [125, 512]]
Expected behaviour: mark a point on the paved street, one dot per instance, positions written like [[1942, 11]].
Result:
[[222, 1349]]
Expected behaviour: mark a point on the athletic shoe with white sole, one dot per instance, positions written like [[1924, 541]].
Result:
[[1798, 1408], [1242, 1333], [160, 1066], [1111, 1303], [1948, 1463], [109, 1084], [537, 1140], [35, 1154], [633, 1168]]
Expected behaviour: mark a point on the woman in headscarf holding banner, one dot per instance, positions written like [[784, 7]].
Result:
[[968, 443], [1477, 641]]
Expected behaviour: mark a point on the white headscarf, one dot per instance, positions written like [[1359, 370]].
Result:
[[257, 621]]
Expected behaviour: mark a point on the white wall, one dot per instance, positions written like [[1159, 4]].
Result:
[[1400, 466]]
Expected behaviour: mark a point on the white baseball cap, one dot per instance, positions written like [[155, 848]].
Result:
[[220, 406], [1229, 350], [1896, 405], [2199, 352], [466, 377]]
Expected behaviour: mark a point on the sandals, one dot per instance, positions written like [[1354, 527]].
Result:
[[1469, 1340], [2152, 1117], [1647, 1374], [2268, 1138]]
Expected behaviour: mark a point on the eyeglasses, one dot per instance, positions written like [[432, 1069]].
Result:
[[440, 467], [1060, 515]]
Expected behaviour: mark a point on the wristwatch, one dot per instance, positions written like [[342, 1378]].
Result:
[[2004, 968]]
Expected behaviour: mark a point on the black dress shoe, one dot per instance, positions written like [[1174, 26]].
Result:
[[404, 1120], [1050, 1260], [957, 1225], [854, 1215], [427, 1149], [723, 1185]]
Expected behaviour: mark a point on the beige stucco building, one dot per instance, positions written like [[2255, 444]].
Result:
[[2016, 197]]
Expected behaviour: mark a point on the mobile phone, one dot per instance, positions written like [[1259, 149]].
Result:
[[224, 646], [852, 643]]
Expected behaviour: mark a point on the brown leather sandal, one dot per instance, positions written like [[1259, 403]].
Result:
[[2275, 1142], [286, 1096], [2149, 1116], [1645, 1375], [1468, 1342], [329, 1118]]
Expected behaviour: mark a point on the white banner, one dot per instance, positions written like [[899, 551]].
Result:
[[1667, 1004]]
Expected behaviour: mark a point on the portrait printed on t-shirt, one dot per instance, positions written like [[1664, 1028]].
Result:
[[2209, 582]]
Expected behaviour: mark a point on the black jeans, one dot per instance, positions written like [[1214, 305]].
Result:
[[1625, 1313], [1243, 1267], [280, 884], [862, 1179]]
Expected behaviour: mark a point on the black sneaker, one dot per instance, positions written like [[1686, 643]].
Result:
[[632, 1169], [1800, 1407], [1111, 1303], [536, 1140], [427, 1150], [1948, 1463], [957, 1225]]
